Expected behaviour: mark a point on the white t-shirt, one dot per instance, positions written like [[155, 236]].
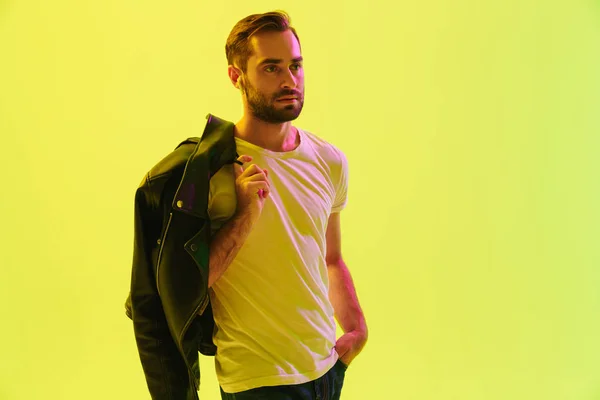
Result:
[[274, 323]]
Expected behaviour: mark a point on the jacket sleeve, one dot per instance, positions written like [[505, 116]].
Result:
[[164, 367]]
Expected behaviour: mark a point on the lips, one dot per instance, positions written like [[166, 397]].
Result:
[[288, 98]]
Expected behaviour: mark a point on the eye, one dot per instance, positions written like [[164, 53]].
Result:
[[298, 66]]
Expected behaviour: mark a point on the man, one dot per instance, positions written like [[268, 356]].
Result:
[[277, 278]]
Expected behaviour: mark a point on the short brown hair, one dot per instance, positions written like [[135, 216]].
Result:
[[237, 48]]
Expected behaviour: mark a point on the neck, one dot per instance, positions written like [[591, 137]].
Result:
[[275, 137]]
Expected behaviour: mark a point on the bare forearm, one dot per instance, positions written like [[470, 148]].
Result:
[[226, 244], [344, 300]]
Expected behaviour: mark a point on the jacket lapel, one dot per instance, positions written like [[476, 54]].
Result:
[[216, 148]]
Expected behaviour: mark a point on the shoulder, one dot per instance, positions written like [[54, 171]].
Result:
[[170, 166], [329, 151], [174, 160]]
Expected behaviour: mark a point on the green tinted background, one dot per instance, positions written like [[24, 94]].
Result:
[[471, 130]]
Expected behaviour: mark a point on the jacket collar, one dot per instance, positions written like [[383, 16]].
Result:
[[215, 149]]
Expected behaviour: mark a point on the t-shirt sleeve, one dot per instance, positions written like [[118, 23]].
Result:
[[341, 190]]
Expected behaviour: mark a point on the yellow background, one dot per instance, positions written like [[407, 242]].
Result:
[[472, 228]]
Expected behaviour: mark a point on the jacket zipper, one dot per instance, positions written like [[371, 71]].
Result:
[[162, 243], [203, 304], [199, 309]]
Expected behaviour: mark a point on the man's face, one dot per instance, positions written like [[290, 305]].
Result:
[[268, 80]]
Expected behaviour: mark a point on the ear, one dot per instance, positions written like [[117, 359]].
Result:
[[234, 75]]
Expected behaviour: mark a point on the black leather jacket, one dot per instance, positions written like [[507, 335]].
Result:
[[168, 300]]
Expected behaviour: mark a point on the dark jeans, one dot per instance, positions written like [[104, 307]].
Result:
[[327, 387]]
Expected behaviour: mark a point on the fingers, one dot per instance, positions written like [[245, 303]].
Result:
[[262, 188], [250, 171], [255, 176], [261, 179], [244, 158], [258, 176], [237, 169]]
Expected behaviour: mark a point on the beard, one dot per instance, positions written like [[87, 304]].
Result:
[[270, 110]]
